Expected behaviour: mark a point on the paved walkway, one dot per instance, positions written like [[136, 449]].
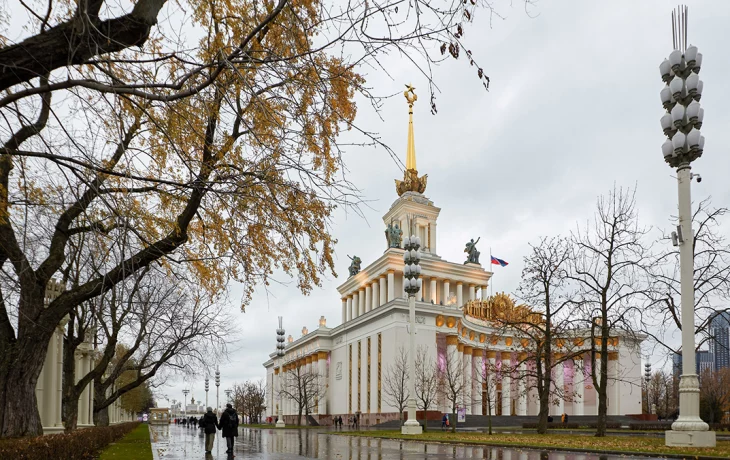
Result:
[[173, 442]]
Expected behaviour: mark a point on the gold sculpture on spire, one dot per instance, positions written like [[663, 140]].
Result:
[[411, 182]]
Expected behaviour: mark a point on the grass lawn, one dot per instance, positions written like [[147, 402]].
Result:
[[134, 446], [625, 444]]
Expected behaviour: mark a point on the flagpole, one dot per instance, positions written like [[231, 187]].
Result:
[[491, 278]]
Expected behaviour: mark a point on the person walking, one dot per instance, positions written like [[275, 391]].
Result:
[[210, 423], [229, 426]]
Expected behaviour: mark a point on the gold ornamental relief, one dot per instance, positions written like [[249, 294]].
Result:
[[450, 322], [501, 309], [411, 182], [440, 320]]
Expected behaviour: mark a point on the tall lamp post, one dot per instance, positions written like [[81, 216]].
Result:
[[185, 402], [681, 124], [647, 379], [412, 272], [217, 388], [207, 386], [280, 347]]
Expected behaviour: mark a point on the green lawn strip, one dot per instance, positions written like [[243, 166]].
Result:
[[623, 444], [134, 446]]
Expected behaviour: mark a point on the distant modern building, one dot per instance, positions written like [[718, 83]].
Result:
[[720, 340], [703, 360]]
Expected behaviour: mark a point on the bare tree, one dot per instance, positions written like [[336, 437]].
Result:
[[452, 384], [249, 398], [222, 153], [711, 276], [303, 386], [426, 381], [395, 382], [715, 394], [608, 266], [545, 321]]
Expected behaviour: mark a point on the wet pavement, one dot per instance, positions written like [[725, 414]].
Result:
[[173, 442]]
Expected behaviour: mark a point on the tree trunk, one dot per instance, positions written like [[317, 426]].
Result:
[[19, 414], [453, 419], [101, 417], [542, 417]]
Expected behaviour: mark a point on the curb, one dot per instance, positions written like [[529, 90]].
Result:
[[544, 448]]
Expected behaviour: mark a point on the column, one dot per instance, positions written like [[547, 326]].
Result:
[[491, 383], [383, 290], [459, 296], [48, 413], [472, 292], [368, 298], [355, 304], [460, 362], [468, 399], [578, 385], [452, 360], [349, 308], [376, 295], [433, 299], [484, 293], [445, 293], [614, 384], [432, 239], [559, 386], [403, 293], [344, 309], [361, 300], [506, 383], [322, 375], [521, 387], [84, 405], [477, 379], [391, 285]]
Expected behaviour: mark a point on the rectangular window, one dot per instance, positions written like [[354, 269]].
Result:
[[349, 381], [359, 373], [380, 369], [368, 384]]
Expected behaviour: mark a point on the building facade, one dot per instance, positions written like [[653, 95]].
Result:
[[455, 322], [720, 340]]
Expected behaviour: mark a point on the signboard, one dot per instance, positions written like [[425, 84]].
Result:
[[461, 415]]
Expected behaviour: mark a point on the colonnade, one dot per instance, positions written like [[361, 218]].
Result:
[[312, 363], [504, 375], [381, 290]]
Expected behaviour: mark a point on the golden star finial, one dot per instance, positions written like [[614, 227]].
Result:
[[410, 94]]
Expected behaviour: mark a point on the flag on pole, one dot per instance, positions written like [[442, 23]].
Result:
[[500, 262]]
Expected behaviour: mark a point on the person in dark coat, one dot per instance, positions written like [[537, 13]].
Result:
[[229, 425], [209, 422]]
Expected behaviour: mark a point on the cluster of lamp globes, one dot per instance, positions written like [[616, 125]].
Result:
[[412, 269], [680, 98], [280, 346]]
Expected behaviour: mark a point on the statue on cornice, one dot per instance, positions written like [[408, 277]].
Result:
[[472, 253], [355, 265], [393, 235]]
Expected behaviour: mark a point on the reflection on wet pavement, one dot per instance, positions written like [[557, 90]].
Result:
[[173, 442]]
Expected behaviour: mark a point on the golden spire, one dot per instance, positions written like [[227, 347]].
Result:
[[411, 182], [411, 97]]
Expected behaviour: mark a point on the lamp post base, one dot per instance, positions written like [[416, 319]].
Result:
[[411, 427], [280, 423], [690, 438]]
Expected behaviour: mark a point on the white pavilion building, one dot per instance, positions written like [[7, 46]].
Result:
[[453, 313]]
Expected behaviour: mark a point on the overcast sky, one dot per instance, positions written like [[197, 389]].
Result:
[[573, 108]]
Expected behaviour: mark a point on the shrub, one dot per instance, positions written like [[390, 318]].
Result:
[[720, 426], [81, 444], [651, 426], [552, 426]]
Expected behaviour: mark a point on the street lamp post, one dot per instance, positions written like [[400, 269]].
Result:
[[280, 347], [207, 386], [647, 379], [217, 388], [681, 124], [185, 402], [412, 272]]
